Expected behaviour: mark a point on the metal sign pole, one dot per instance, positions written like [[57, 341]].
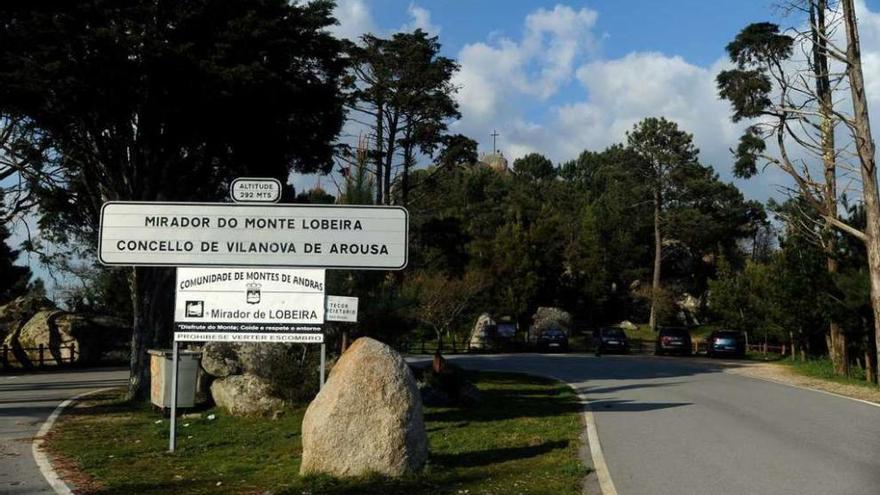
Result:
[[323, 362], [172, 440]]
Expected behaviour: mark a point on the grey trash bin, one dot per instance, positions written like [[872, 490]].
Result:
[[161, 369]]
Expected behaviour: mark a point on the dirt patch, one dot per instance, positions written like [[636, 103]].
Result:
[[783, 374]]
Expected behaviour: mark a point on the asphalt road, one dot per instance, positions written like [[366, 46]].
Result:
[[682, 426], [26, 400]]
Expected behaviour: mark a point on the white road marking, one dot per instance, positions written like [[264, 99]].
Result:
[[603, 475], [780, 382], [40, 457]]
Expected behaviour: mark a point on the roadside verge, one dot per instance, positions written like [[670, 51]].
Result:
[[40, 457]]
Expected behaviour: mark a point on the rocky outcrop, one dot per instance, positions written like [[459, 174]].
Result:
[[627, 325], [246, 395], [15, 313], [367, 418], [481, 336], [287, 371], [220, 359], [57, 331], [546, 318]]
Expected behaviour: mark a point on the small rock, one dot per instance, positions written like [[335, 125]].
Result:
[[212, 417]]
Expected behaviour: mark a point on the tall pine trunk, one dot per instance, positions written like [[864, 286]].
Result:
[[658, 256], [389, 156], [380, 142], [837, 346], [865, 148]]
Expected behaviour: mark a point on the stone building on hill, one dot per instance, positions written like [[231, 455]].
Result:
[[495, 161]]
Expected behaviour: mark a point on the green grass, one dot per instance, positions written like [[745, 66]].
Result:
[[521, 439], [824, 369]]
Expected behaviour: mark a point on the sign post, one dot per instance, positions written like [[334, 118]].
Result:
[[232, 285], [172, 437]]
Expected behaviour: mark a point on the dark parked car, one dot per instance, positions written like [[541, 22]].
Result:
[[726, 343], [611, 339], [553, 339], [673, 340]]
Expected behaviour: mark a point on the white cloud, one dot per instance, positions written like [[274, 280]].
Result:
[[420, 18], [354, 19], [499, 71]]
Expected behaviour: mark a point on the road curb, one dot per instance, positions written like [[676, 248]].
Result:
[[603, 475], [803, 387], [40, 457]]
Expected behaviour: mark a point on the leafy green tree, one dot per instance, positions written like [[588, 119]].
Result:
[[13, 278], [157, 101], [315, 196], [671, 159], [534, 166], [404, 94], [458, 151]]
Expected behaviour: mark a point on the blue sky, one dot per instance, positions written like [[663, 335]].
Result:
[[561, 77]]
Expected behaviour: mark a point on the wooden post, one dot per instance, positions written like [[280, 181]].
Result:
[[5, 354], [783, 350], [72, 353], [40, 348]]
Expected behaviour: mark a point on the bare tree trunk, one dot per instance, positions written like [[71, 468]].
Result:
[[837, 347], [408, 160], [658, 248], [870, 356], [151, 291], [389, 156], [865, 148], [380, 142]]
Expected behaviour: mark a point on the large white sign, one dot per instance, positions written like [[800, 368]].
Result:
[[236, 234], [257, 305], [341, 308]]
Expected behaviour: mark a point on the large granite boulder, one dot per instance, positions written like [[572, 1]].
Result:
[[15, 313], [286, 372], [220, 359], [246, 395], [481, 337], [57, 331], [367, 418], [546, 318], [627, 325]]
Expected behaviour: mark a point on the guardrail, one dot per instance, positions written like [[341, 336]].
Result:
[[58, 358], [637, 346]]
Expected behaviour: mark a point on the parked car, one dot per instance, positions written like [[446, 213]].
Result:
[[726, 343], [673, 340], [611, 339], [553, 339]]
